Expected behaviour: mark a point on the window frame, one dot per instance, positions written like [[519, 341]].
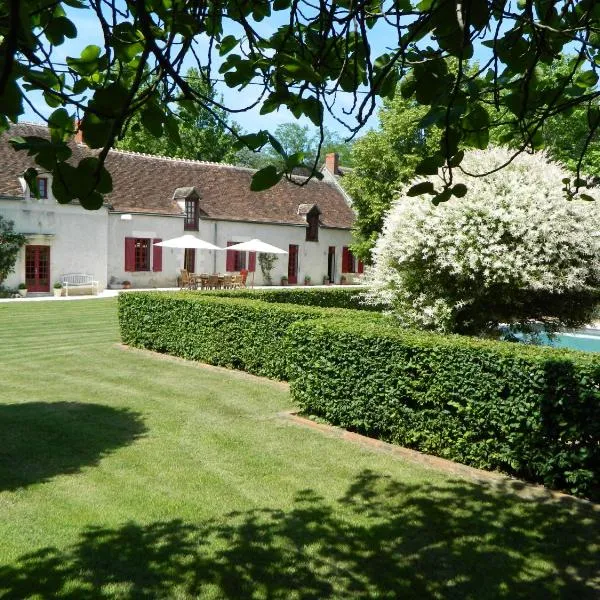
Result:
[[147, 266], [192, 214], [42, 179], [240, 260]]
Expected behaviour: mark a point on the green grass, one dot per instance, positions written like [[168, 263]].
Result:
[[128, 475]]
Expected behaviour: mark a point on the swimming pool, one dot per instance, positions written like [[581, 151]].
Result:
[[587, 340]]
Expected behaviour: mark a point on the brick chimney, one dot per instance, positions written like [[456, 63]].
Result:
[[332, 162]]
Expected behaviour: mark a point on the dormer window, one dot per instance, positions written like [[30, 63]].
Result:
[[42, 188], [191, 214]]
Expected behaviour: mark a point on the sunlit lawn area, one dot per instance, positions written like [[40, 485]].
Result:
[[128, 475]]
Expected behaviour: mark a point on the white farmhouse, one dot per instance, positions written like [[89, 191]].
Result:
[[156, 198]]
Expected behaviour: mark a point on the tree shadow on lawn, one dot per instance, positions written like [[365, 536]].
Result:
[[382, 539], [40, 440]]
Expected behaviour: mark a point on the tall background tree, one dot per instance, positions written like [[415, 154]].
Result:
[[203, 134], [311, 56], [300, 140], [383, 160], [387, 158]]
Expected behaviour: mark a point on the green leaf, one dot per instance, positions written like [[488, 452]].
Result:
[[476, 127], [277, 146], [95, 130], [89, 61], [61, 125], [254, 141], [228, 43], [59, 28], [152, 119], [425, 187], [587, 198], [586, 79], [313, 109], [265, 178], [593, 116], [30, 176]]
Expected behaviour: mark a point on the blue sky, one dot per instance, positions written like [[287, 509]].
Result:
[[89, 33]]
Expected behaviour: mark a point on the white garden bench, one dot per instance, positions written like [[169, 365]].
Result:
[[78, 280]]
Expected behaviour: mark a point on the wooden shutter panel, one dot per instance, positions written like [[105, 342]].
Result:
[[130, 254], [251, 262], [156, 255], [361, 267], [230, 263], [345, 259]]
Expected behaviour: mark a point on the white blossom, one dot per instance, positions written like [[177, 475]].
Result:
[[513, 231]]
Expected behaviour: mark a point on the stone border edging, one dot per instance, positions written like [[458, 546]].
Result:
[[520, 488], [503, 482]]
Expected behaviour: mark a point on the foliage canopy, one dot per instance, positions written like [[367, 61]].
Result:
[[314, 54], [10, 244]]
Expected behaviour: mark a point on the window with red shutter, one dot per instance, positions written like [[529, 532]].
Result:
[[345, 257], [251, 262], [156, 255], [348, 261], [129, 254], [142, 254]]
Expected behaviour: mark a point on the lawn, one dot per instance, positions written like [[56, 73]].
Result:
[[129, 475]]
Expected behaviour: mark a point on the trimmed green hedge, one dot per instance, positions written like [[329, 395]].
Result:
[[308, 296], [231, 332], [529, 411]]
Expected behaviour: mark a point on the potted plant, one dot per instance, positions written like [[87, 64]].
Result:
[[58, 289], [307, 280], [284, 280], [325, 280], [126, 284], [22, 290], [343, 280]]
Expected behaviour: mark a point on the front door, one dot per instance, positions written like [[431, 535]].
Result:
[[331, 264], [37, 268], [293, 264]]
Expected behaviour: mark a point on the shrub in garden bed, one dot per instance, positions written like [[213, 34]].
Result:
[[232, 332], [323, 297], [528, 411]]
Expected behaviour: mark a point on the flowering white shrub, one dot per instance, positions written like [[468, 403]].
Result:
[[513, 250]]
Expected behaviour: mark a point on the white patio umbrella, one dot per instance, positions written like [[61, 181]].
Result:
[[188, 241], [256, 246]]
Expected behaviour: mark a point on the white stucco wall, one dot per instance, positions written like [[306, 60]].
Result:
[[144, 226], [77, 237], [312, 256]]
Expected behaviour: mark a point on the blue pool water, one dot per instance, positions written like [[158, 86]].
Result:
[[587, 340]]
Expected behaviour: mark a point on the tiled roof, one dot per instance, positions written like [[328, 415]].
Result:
[[145, 183]]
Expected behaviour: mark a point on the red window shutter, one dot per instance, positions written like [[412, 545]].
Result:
[[251, 262], [361, 267], [345, 259], [156, 255], [130, 254], [230, 264]]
